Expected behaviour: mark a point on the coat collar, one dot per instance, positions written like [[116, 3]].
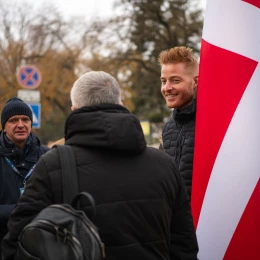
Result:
[[105, 126], [186, 114]]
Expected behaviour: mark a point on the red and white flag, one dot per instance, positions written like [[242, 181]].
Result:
[[226, 171]]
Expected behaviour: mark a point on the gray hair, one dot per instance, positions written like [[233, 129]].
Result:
[[95, 88]]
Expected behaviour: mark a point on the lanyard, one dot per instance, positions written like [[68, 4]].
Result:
[[16, 170]]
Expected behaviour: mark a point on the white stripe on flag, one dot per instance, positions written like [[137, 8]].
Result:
[[233, 25]]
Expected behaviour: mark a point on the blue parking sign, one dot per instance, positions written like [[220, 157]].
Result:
[[36, 110]]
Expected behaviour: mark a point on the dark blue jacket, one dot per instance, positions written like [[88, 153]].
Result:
[[10, 181]]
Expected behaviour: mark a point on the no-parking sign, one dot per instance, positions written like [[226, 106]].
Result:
[[29, 77]]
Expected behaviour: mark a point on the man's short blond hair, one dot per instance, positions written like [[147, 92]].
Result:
[[180, 54]]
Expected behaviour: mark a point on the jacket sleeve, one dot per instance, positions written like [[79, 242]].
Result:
[[183, 240], [5, 211], [36, 196]]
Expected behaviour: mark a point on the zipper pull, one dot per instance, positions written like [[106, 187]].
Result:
[[103, 250], [65, 231], [57, 232]]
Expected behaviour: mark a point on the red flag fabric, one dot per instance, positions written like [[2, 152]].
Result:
[[226, 170]]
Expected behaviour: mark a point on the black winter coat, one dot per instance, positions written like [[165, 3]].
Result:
[[178, 140], [142, 208], [10, 181]]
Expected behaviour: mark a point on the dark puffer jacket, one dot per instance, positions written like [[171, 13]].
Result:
[[178, 140], [142, 208], [10, 181]]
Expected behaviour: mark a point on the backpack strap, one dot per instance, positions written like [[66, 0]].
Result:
[[69, 173], [76, 201]]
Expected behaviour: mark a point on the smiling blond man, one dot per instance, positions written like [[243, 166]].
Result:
[[179, 81]]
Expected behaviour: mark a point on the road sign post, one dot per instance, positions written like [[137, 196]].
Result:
[[29, 77]]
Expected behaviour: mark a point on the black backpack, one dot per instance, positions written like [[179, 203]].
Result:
[[60, 231]]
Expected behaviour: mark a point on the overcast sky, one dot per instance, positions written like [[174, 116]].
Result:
[[86, 8]]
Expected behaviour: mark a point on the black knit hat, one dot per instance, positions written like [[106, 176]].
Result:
[[15, 106]]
